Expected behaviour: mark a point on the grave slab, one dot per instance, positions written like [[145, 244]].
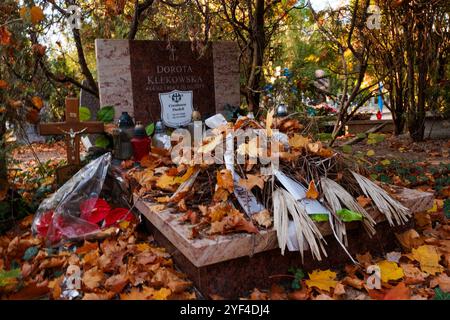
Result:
[[251, 259]]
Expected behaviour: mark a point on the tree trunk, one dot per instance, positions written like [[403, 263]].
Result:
[[257, 58]]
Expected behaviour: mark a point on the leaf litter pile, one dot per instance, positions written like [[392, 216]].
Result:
[[418, 270], [125, 266]]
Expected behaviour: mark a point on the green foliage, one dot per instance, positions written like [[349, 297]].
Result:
[[150, 129], [375, 138], [441, 295], [102, 142], [412, 173], [324, 136], [299, 275], [319, 217], [106, 114], [85, 114], [6, 277], [349, 215], [447, 208], [30, 253], [347, 149]]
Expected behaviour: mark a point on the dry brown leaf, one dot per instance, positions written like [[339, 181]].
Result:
[[258, 295], [443, 281], [312, 191], [225, 180], [413, 275], [116, 283], [298, 142], [31, 291], [106, 295], [399, 292], [277, 293], [353, 282], [252, 181], [339, 290], [87, 247], [232, 223], [92, 278], [409, 239], [363, 201], [263, 218], [166, 278]]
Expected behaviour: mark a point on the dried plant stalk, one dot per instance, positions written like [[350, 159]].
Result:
[[335, 194], [392, 209], [306, 229]]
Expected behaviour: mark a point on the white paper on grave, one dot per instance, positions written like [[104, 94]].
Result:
[[86, 142], [176, 108], [216, 121], [299, 193], [311, 207], [246, 198]]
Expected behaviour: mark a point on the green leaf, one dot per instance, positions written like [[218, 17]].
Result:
[[319, 217], [349, 215], [150, 128], [447, 208], [85, 114], [299, 275], [378, 137], [324, 136], [102, 142], [441, 295], [361, 135], [106, 114], [30, 253], [385, 162], [7, 276], [347, 149]]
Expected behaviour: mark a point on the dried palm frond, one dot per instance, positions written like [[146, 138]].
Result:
[[339, 233], [280, 219], [306, 229], [335, 194], [392, 209]]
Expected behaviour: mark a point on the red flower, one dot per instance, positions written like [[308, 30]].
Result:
[[94, 210], [116, 215]]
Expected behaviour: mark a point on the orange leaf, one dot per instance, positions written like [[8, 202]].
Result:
[[225, 180], [3, 83], [251, 181], [99, 296], [37, 15], [87, 247], [363, 201], [399, 292], [312, 191], [37, 102], [5, 37]]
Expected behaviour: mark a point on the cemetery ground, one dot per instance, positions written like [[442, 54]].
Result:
[[131, 265]]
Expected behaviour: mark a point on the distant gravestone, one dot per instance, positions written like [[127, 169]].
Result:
[[141, 77], [29, 134], [89, 101]]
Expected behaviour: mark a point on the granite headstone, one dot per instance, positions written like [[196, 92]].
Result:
[[138, 76]]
